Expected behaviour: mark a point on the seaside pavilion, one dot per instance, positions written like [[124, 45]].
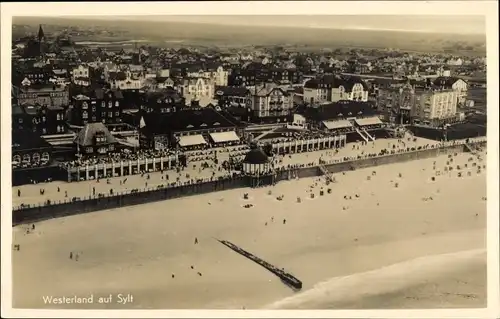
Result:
[[256, 162]]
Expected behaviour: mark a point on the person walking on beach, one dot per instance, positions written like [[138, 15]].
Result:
[[18, 193], [33, 227], [284, 221], [196, 240], [71, 255], [58, 189]]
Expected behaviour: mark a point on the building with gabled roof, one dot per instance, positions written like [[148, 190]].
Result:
[[456, 84], [331, 88], [270, 102], [95, 139]]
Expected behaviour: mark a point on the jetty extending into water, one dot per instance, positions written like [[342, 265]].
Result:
[[285, 277]]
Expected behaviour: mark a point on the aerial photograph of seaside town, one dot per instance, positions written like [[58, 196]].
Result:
[[250, 162]]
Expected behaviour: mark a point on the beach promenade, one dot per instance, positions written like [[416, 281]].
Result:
[[58, 191], [342, 241]]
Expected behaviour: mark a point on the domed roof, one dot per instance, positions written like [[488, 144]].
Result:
[[256, 156]]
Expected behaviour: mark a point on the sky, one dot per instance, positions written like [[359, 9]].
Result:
[[427, 23]]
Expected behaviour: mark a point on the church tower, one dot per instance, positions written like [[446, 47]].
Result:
[[41, 39]]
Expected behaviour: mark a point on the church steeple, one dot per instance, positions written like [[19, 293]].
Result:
[[41, 35], [41, 40]]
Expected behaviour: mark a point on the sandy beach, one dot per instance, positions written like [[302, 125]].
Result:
[[341, 249]]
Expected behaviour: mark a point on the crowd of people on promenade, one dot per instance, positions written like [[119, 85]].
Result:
[[212, 154], [210, 145], [196, 153], [126, 155], [316, 134], [117, 157], [401, 146], [291, 136], [213, 161]]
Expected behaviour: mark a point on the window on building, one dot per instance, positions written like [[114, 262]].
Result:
[[117, 103], [36, 157], [110, 104], [44, 130], [85, 105], [110, 114], [117, 113], [103, 104], [20, 121], [93, 108], [26, 158], [89, 150], [85, 115], [94, 118]]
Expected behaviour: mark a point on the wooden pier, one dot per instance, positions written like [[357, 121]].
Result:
[[285, 277]]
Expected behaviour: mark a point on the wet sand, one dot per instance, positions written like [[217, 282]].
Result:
[[135, 250]]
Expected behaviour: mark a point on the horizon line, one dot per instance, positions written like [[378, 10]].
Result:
[[359, 28]]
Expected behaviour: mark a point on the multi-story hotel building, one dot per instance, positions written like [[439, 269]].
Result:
[[407, 104], [270, 101], [435, 106]]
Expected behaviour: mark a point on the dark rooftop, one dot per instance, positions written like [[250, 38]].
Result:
[[446, 81], [339, 110], [231, 91], [335, 82], [256, 156], [186, 120], [28, 140]]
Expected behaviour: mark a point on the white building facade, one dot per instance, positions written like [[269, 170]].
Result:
[[436, 105]]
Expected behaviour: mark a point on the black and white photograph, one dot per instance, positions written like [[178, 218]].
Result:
[[255, 161]]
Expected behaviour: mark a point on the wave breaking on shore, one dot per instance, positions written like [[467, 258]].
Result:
[[385, 280]]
